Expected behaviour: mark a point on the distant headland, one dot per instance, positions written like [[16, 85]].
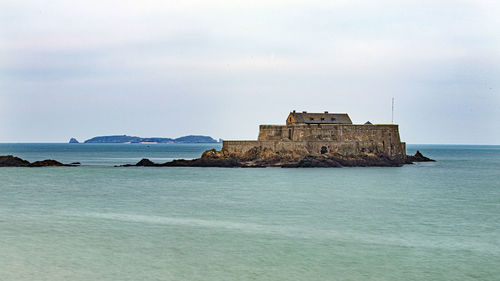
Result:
[[133, 139]]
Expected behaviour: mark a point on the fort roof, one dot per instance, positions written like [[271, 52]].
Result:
[[318, 118]]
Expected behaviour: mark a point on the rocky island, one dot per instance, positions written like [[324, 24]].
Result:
[[132, 139], [309, 140], [12, 161]]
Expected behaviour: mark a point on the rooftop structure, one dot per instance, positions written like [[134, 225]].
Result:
[[317, 118]]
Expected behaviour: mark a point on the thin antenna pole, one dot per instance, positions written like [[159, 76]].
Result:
[[392, 120]]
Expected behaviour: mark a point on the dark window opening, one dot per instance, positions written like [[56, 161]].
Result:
[[322, 119], [324, 150]]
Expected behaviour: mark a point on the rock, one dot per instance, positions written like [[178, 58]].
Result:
[[12, 161], [313, 162], [145, 163], [340, 161], [204, 162], [418, 157], [258, 157], [46, 163], [73, 140]]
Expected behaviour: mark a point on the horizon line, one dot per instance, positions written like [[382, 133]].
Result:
[[59, 142]]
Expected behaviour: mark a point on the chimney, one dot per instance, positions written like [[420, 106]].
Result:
[[326, 112], [304, 111], [294, 111]]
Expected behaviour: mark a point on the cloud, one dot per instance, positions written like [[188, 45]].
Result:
[[105, 61]]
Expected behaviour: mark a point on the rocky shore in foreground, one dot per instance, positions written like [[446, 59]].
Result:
[[12, 161], [262, 157]]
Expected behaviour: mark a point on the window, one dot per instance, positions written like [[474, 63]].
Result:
[[310, 118], [322, 119], [324, 150], [333, 119]]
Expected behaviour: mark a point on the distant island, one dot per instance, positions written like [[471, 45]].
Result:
[[132, 139]]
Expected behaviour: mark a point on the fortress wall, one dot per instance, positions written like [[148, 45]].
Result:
[[310, 139], [350, 138], [272, 132], [384, 137], [244, 146], [299, 147], [239, 146], [346, 148]]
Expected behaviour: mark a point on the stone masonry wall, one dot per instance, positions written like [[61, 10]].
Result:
[[239, 146], [335, 138]]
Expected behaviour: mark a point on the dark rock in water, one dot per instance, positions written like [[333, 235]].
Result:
[[418, 157], [75, 164], [145, 162], [263, 157], [336, 161], [46, 163], [73, 140], [224, 163], [12, 161], [313, 162], [201, 162]]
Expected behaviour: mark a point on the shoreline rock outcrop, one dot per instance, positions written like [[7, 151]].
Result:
[[418, 157], [259, 157], [13, 161]]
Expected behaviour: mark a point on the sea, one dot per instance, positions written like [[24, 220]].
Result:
[[426, 221]]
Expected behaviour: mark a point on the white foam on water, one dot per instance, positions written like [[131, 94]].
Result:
[[301, 232]]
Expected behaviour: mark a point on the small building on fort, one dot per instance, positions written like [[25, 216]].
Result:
[[307, 133]]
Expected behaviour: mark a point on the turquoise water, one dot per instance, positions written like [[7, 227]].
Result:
[[429, 221]]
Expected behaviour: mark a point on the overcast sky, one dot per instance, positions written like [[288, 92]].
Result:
[[220, 68]]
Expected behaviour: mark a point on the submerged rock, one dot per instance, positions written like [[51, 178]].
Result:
[[12, 161]]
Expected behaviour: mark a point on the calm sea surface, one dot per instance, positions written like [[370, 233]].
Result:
[[429, 221]]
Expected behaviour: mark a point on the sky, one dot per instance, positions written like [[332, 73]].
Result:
[[221, 68]]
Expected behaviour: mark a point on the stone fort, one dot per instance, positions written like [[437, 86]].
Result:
[[324, 133]]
